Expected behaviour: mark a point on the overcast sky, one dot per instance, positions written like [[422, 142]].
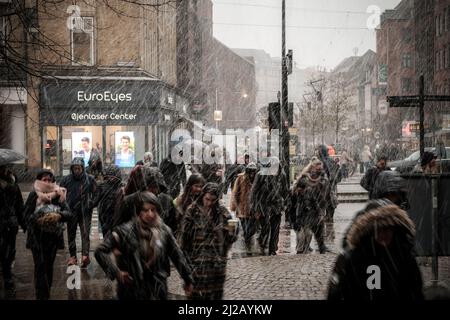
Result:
[[321, 32]]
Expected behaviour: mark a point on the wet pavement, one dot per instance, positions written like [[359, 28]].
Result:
[[249, 275]]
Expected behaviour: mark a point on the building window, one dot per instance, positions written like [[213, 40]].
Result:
[[406, 85], [406, 35], [406, 61], [82, 43]]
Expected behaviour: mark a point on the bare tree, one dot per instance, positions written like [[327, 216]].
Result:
[[338, 106]]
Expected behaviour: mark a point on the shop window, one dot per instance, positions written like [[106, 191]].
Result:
[[125, 145], [83, 142], [50, 149], [82, 43]]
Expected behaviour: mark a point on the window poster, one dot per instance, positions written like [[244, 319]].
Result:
[[125, 149], [82, 145]]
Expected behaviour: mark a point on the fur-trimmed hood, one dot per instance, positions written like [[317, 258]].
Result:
[[390, 216]]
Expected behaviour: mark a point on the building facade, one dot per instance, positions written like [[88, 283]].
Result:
[[94, 72]]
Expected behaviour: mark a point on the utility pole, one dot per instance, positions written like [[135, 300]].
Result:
[[284, 98]]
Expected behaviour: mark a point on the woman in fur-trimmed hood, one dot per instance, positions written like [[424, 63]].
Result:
[[381, 239]]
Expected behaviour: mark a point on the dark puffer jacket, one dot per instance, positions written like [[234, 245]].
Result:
[[400, 276], [80, 189], [11, 204]]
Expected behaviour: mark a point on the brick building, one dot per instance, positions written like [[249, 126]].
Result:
[[99, 70]]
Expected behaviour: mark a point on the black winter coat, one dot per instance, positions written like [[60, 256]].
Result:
[[11, 205], [36, 237], [268, 192], [174, 174], [107, 202], [147, 284], [81, 192]]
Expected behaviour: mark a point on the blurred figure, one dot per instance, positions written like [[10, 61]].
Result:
[[109, 195], [370, 177], [267, 202], [174, 174], [240, 202], [381, 234], [148, 160], [346, 162], [206, 238], [366, 158], [191, 192], [311, 190], [11, 216], [382, 237], [427, 164], [143, 248]]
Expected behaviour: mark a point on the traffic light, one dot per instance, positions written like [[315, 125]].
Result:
[[289, 61], [274, 116]]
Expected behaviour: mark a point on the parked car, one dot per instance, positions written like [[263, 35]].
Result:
[[407, 165]]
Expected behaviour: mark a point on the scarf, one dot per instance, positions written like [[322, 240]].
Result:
[[46, 192], [150, 241]]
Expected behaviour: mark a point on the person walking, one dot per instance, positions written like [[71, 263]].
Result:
[[311, 189], [240, 202], [108, 197], [427, 164], [143, 249], [366, 158], [266, 199], [149, 160], [206, 237], [370, 177], [11, 217], [191, 192], [46, 211], [174, 174], [346, 162], [81, 192]]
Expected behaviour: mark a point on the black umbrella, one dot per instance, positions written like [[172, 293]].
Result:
[[8, 156]]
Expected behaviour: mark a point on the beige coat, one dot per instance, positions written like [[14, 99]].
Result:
[[240, 198]]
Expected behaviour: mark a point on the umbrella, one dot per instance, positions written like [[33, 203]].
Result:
[[8, 156]]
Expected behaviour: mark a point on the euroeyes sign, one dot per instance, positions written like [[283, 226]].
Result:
[[106, 96]]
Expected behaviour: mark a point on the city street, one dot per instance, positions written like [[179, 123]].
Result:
[[285, 276]]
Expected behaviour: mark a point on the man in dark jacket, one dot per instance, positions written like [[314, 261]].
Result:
[[81, 191], [174, 175], [11, 216], [369, 179], [266, 200], [108, 195]]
